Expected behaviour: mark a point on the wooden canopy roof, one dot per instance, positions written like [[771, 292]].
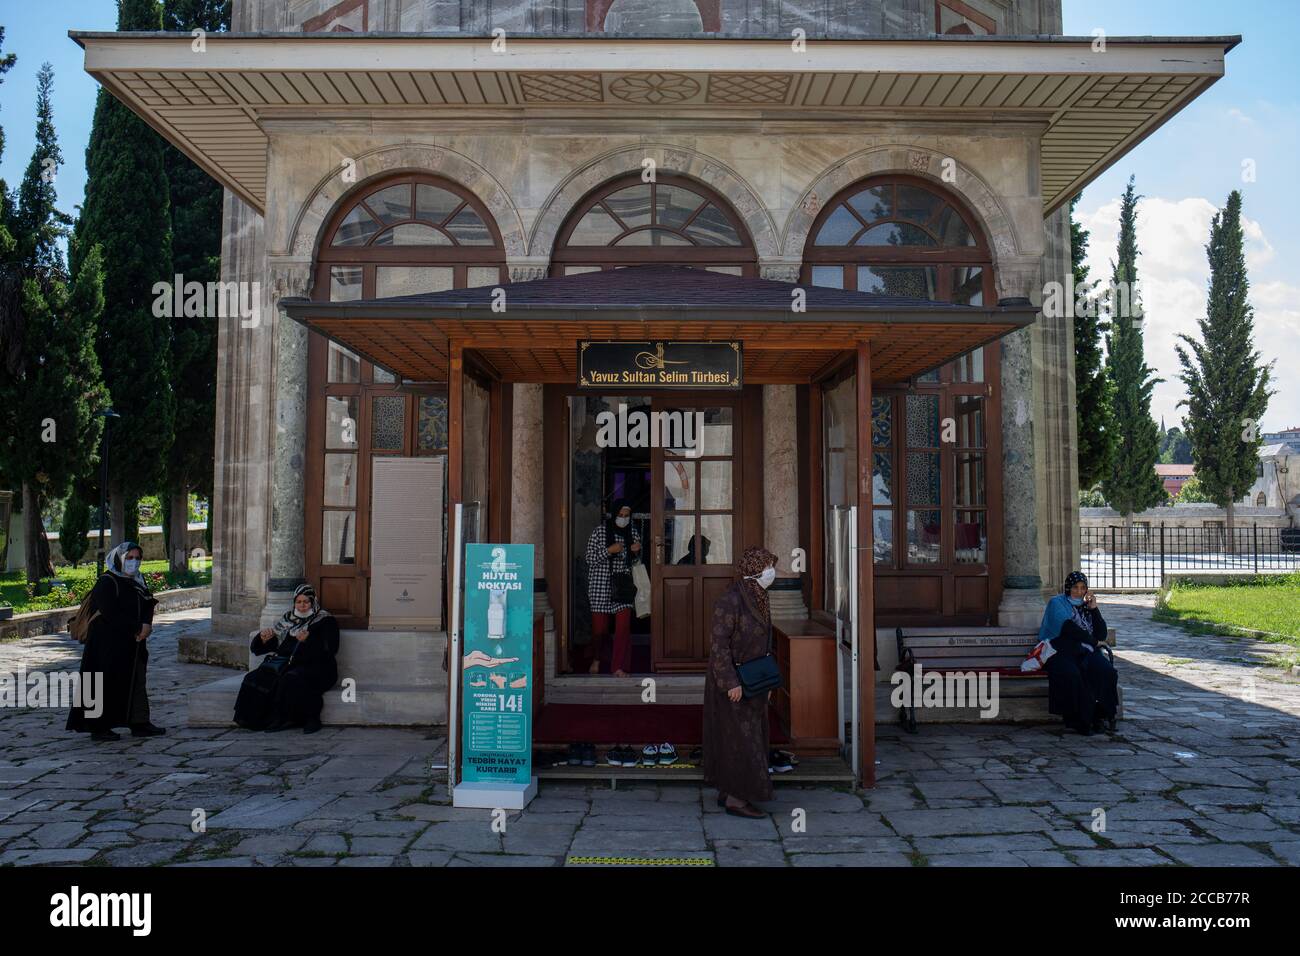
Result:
[[1095, 102], [528, 331]]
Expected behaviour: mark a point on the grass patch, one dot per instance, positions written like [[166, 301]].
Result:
[[1268, 603], [76, 582]]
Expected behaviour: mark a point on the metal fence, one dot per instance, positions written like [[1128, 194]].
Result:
[[1142, 556]]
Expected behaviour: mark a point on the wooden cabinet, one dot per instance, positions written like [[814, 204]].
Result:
[[807, 702]]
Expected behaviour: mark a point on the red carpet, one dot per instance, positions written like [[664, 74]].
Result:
[[679, 724]]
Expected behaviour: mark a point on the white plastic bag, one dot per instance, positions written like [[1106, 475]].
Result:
[[641, 578], [1037, 657]]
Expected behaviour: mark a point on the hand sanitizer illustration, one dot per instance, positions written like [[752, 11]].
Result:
[[496, 630]]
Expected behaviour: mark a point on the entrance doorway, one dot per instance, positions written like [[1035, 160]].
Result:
[[673, 460]]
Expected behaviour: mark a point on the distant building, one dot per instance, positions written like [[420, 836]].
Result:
[[1175, 476], [1289, 435], [1277, 477]]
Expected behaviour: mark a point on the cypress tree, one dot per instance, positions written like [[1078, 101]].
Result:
[[196, 201], [10, 283], [48, 406], [1092, 389], [126, 214], [74, 529], [1227, 387], [1131, 483]]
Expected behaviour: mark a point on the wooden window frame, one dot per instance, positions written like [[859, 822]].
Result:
[[369, 259], [946, 260], [610, 257]]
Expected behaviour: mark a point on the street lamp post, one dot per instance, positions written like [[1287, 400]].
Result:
[[108, 415]]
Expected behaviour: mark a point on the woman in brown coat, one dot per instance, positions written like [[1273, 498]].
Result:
[[736, 728]]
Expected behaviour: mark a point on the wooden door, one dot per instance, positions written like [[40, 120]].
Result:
[[695, 520]]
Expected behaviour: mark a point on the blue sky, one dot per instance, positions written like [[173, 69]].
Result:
[[1184, 170]]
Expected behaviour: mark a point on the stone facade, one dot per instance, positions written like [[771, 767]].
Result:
[[530, 171]]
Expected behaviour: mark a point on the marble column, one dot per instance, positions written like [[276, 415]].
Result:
[[242, 473], [527, 521], [1039, 440], [1057, 463], [781, 497], [285, 534]]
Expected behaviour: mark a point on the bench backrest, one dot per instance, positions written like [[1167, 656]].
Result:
[[992, 650]]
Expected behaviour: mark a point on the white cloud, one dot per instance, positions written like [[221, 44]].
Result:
[[1173, 276]]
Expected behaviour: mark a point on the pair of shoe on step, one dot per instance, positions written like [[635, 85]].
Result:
[[581, 755], [651, 756], [780, 761]]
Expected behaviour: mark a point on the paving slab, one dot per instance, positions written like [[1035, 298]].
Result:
[[1202, 778]]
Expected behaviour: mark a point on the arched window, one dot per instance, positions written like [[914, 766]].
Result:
[[397, 236], [899, 236], [933, 439], [673, 220]]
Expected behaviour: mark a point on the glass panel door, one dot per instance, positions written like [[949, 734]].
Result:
[[696, 504]]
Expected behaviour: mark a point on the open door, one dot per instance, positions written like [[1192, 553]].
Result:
[[695, 511]]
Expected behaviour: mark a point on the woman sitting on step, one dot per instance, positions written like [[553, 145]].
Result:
[[287, 690], [1082, 684]]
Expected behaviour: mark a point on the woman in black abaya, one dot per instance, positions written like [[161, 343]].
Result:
[[288, 689], [117, 649]]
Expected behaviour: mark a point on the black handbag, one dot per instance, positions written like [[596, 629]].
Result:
[[760, 675], [622, 589]]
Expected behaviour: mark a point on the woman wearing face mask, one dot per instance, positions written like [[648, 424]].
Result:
[[736, 729], [611, 551], [116, 648], [1082, 685], [288, 689]]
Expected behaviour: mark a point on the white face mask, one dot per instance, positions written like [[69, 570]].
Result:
[[131, 565], [766, 578], [302, 615], [622, 522]]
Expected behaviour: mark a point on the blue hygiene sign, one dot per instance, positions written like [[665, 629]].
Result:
[[497, 704]]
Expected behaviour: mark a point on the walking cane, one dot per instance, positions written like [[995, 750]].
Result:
[[130, 695]]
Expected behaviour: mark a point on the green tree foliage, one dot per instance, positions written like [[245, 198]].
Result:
[[1092, 388], [1227, 387], [1091, 498], [126, 214], [1132, 484], [1175, 447], [48, 403], [73, 531], [1192, 493], [10, 280]]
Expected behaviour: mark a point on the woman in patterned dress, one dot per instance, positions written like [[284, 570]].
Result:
[[611, 549]]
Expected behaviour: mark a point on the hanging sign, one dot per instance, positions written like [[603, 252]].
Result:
[[497, 667], [693, 365]]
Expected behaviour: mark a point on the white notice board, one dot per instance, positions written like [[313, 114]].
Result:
[[406, 543]]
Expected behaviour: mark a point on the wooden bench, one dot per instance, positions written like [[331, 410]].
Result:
[[982, 651]]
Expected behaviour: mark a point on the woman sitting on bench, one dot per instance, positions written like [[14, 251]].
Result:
[[1082, 685]]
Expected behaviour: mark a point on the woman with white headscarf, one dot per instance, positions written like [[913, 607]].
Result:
[[288, 689], [117, 649]]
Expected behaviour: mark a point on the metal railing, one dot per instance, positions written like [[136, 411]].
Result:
[[1141, 557]]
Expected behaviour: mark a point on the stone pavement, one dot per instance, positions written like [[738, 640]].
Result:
[[1204, 771]]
